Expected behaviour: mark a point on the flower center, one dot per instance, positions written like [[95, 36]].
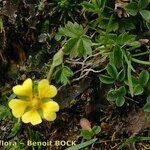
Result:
[[35, 103]]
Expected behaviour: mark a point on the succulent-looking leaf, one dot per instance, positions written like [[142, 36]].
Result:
[[147, 107], [142, 4], [111, 96], [134, 80], [138, 89], [120, 101], [132, 8], [148, 25], [121, 75], [143, 78], [112, 71], [148, 99], [145, 14], [96, 129], [121, 91], [106, 79]]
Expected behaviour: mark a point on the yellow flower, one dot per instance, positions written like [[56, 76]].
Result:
[[33, 106]]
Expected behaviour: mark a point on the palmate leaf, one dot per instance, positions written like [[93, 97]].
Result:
[[96, 5], [78, 47], [73, 30], [78, 44], [63, 74]]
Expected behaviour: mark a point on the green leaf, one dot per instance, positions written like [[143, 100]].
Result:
[[82, 145], [78, 43], [111, 96], [78, 47], [148, 25], [138, 89], [132, 8], [89, 6], [71, 47], [15, 129], [112, 70], [120, 101], [145, 14], [86, 134], [125, 39], [134, 81], [134, 44], [147, 107], [99, 3], [121, 91], [58, 58], [96, 129], [106, 79], [118, 56], [143, 4], [121, 75], [148, 99], [148, 117], [4, 112], [126, 25], [84, 47], [73, 30], [143, 78], [63, 74]]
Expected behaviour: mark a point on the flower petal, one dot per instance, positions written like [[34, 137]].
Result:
[[49, 110], [18, 107], [46, 90], [32, 116], [50, 117], [25, 89]]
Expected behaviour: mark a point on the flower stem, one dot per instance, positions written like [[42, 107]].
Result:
[[49, 75], [140, 61], [140, 54]]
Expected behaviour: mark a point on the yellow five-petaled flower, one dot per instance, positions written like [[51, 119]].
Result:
[[37, 105]]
